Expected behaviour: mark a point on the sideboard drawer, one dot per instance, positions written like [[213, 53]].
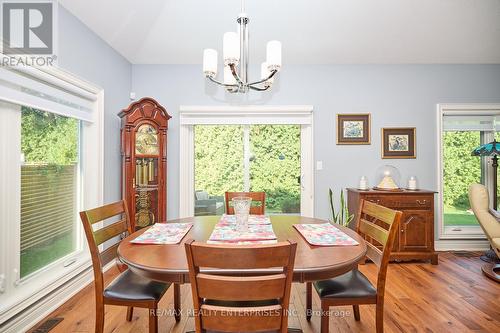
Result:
[[400, 202], [415, 201], [385, 201]]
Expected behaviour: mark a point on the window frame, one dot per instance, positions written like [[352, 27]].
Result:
[[18, 294], [245, 115], [463, 232]]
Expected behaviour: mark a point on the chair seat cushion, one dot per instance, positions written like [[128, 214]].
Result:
[[352, 284], [241, 304], [130, 286]]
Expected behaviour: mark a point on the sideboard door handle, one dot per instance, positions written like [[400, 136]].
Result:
[[421, 202]]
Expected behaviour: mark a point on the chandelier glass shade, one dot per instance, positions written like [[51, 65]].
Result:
[[235, 56]]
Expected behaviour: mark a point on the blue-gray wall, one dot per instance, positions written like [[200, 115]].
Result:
[[395, 95], [84, 54]]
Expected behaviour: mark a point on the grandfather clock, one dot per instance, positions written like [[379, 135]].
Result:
[[144, 126]]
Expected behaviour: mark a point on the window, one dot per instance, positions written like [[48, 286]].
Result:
[[462, 130], [247, 158], [50, 168], [49, 188], [249, 148]]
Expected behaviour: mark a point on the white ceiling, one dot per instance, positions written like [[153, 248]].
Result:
[[312, 31]]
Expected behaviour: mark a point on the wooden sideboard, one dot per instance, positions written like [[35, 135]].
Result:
[[415, 239]]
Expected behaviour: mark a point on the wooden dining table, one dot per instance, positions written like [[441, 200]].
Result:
[[167, 263]]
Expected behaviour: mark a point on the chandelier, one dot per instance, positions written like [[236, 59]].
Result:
[[235, 54]]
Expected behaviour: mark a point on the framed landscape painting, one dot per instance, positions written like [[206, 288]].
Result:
[[399, 142], [353, 129]]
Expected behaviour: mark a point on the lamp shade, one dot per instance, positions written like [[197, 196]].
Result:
[[488, 149], [231, 48], [264, 73], [210, 62], [228, 76], [274, 55]]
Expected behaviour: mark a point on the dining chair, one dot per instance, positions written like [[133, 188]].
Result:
[[128, 289], [258, 197], [378, 225], [227, 302]]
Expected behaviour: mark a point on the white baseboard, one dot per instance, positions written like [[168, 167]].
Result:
[[41, 309], [26, 319], [461, 245]]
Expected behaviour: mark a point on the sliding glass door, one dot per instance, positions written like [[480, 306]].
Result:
[[247, 158], [463, 131]]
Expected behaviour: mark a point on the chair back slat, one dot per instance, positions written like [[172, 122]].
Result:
[[213, 278], [109, 254], [236, 288], [240, 257], [251, 319], [381, 213], [257, 197], [373, 231], [113, 230], [374, 253], [105, 212]]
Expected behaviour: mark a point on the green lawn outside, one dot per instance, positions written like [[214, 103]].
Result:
[[458, 216], [36, 257]]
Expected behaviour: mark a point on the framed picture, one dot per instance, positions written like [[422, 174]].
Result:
[[353, 129], [399, 142]]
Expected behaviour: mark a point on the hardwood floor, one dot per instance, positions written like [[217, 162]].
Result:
[[451, 297]]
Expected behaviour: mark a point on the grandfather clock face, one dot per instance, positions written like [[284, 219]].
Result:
[[146, 140]]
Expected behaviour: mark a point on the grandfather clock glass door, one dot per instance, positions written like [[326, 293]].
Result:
[[144, 142], [146, 175]]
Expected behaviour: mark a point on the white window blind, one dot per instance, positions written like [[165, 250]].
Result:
[[24, 86], [489, 123], [246, 115]]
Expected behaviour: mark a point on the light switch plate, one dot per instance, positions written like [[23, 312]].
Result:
[[319, 165]]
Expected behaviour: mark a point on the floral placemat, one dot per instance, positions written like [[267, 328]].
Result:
[[224, 232], [324, 234], [252, 219], [163, 233]]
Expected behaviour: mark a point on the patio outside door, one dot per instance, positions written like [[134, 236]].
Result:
[[246, 148], [246, 158]]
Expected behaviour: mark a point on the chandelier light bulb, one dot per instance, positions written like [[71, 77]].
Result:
[[274, 55], [210, 62], [231, 48]]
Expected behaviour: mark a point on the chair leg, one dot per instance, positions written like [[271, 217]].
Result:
[[99, 318], [379, 320], [153, 320], [308, 300], [130, 313], [356, 312], [325, 318], [177, 302]]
